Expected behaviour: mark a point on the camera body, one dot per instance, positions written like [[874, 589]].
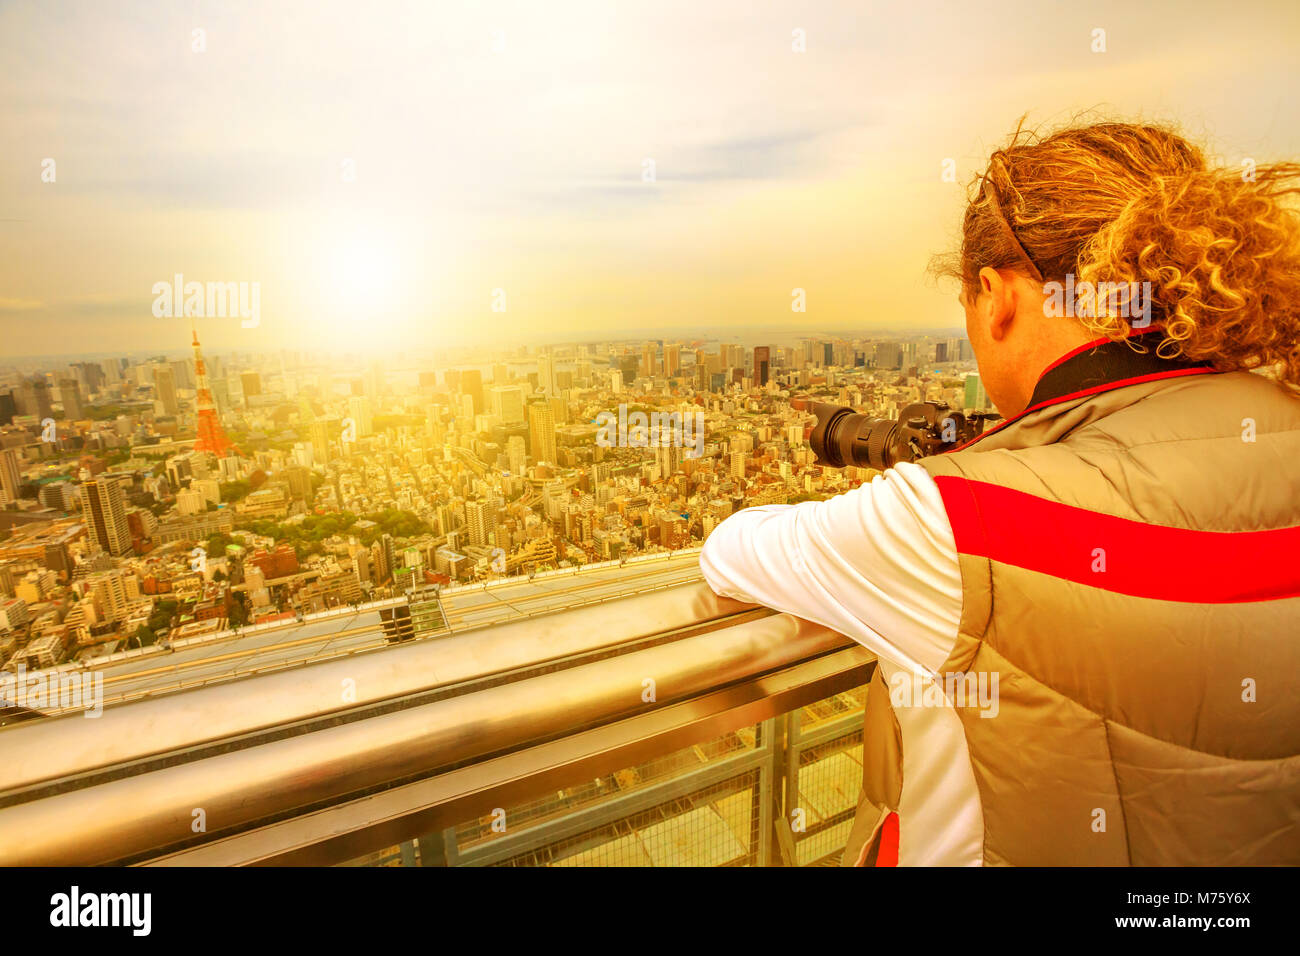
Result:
[[844, 437]]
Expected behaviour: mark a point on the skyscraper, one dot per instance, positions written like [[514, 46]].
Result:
[[546, 375], [889, 355], [975, 399], [480, 521], [515, 452], [650, 359], [672, 360], [762, 361], [738, 456], [252, 384], [322, 430], [471, 384], [164, 385], [70, 395], [10, 476], [668, 457], [105, 512], [359, 412], [181, 371], [33, 397], [541, 431], [508, 403]]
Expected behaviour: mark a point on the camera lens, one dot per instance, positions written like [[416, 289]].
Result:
[[845, 437]]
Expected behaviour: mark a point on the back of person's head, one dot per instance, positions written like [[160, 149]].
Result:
[[1132, 203]]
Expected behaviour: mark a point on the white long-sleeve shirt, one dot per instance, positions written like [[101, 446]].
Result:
[[879, 565]]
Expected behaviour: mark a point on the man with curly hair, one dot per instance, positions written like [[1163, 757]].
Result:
[[1116, 560]]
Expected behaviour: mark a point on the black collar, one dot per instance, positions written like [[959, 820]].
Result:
[[1103, 362], [1099, 367]]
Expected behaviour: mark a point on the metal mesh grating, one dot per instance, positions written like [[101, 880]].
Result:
[[680, 764], [715, 826], [830, 776], [703, 805]]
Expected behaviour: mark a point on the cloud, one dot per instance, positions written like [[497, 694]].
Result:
[[21, 306]]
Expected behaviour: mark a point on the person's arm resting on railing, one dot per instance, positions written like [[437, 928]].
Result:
[[878, 564]]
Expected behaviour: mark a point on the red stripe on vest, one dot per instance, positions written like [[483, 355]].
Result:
[[1118, 554], [887, 853]]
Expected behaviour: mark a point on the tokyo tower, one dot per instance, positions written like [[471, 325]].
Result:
[[212, 437]]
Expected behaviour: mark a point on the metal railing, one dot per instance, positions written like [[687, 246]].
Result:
[[332, 761]]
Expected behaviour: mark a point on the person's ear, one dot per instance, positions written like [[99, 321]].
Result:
[[999, 303]]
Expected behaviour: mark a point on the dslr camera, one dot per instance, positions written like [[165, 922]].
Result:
[[844, 437]]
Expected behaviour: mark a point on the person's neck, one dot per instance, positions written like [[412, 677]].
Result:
[[1059, 346]]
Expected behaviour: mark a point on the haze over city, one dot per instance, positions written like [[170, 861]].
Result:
[[381, 169]]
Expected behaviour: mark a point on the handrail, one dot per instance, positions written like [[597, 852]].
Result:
[[45, 750], [145, 813], [347, 830]]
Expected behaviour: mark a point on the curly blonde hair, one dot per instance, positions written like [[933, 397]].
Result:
[[1122, 203]]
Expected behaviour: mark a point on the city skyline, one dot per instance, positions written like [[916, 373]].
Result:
[[170, 499]]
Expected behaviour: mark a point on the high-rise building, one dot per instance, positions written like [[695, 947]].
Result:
[[889, 355], [374, 381], [181, 371], [541, 431], [11, 477], [299, 480], [471, 384], [322, 431], [33, 398], [738, 463], [359, 412], [650, 359], [105, 512], [731, 355], [672, 360], [976, 398], [70, 394], [762, 362], [111, 591], [516, 453], [251, 383], [546, 375], [59, 495], [164, 385], [669, 459], [190, 501], [508, 403], [480, 522]]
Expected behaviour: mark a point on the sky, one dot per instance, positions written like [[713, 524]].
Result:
[[403, 175]]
